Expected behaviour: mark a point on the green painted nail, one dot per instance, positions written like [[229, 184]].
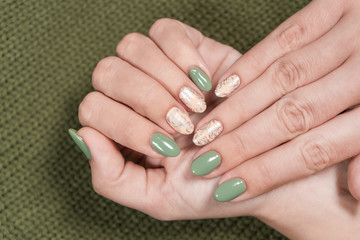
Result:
[[164, 145], [200, 79], [205, 163], [230, 190], [80, 142]]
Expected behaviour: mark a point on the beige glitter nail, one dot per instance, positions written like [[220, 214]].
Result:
[[208, 133], [227, 86], [180, 121], [192, 100]]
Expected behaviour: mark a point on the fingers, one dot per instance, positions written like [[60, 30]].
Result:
[[307, 25], [320, 148], [142, 52], [284, 76], [125, 126], [123, 182], [354, 177], [165, 32], [127, 84], [294, 114]]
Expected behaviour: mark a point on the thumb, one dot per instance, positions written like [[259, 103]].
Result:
[[112, 177]]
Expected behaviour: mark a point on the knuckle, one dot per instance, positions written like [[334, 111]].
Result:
[[294, 116], [129, 44], [287, 76], [103, 67], [253, 61], [88, 106], [290, 38], [160, 26], [239, 142], [316, 154], [267, 177]]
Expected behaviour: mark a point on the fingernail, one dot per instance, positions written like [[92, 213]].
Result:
[[164, 145], [227, 86], [205, 163], [200, 79], [230, 190], [80, 143], [208, 133], [180, 121], [192, 100]]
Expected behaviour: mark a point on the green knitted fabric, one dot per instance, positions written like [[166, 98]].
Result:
[[48, 51]]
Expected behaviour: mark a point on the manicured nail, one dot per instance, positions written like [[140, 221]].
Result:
[[227, 86], [230, 190], [208, 133], [200, 79], [205, 163], [80, 143], [164, 145], [192, 100], [180, 121]]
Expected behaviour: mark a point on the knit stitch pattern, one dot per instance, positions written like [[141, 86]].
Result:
[[48, 51]]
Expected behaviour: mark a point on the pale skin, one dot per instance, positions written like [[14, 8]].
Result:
[[147, 75]]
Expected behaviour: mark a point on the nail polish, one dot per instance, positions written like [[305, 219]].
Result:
[[164, 145], [80, 143], [205, 163], [180, 121], [227, 86], [207, 133], [229, 190], [192, 99], [200, 79]]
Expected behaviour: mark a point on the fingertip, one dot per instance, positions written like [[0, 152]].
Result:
[[105, 155], [79, 141]]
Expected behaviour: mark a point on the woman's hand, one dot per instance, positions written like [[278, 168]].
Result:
[[283, 121], [137, 157], [127, 170]]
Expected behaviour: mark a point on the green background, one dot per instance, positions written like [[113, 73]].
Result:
[[48, 50]]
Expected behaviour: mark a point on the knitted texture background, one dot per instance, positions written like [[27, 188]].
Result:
[[48, 51]]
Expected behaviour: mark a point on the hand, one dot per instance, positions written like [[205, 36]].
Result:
[[164, 187], [284, 121]]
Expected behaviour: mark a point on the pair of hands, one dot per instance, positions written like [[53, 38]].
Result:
[[282, 123]]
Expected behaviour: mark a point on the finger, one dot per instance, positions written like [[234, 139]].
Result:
[[179, 42], [326, 145], [290, 72], [354, 177], [127, 84], [294, 114], [125, 126], [307, 25], [142, 52], [123, 182]]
